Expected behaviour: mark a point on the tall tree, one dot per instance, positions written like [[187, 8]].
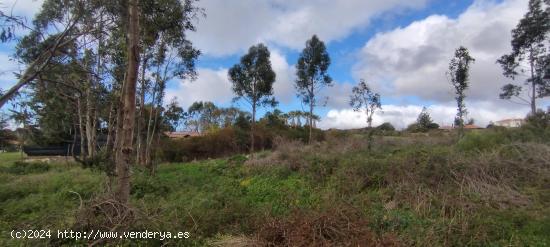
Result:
[[459, 72], [424, 119], [173, 115], [529, 46], [312, 75], [54, 31], [364, 99], [253, 80], [124, 157]]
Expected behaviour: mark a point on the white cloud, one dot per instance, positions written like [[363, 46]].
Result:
[[284, 83], [214, 85], [7, 78], [413, 60], [402, 115], [233, 26], [23, 8], [211, 85]]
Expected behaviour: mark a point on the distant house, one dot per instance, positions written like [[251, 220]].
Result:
[[472, 127], [510, 123], [467, 126], [181, 134]]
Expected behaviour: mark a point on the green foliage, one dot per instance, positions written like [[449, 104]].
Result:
[[459, 71], [173, 115], [253, 77], [529, 43], [386, 127], [479, 192], [364, 99], [312, 75], [311, 69]]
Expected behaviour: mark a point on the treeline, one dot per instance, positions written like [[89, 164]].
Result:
[[225, 133]]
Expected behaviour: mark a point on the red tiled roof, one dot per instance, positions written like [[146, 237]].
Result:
[[182, 134]]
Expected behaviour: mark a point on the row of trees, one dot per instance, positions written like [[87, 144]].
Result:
[[253, 79]]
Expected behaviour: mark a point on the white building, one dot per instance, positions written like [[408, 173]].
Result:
[[510, 123]]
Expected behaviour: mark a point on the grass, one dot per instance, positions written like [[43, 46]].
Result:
[[406, 191]]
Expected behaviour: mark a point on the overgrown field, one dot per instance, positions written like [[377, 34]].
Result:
[[490, 189]]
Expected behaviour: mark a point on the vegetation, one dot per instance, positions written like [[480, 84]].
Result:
[[312, 75], [459, 71], [407, 190], [364, 99], [528, 43], [253, 81], [423, 123], [97, 72]]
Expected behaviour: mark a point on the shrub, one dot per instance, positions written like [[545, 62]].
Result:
[[479, 141], [386, 127]]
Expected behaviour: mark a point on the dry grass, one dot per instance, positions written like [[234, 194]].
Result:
[[337, 226]]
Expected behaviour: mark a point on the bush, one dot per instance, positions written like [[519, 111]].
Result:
[[477, 141], [230, 141], [223, 142], [386, 127]]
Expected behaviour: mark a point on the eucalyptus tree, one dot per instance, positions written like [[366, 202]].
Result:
[[312, 75], [167, 53], [253, 80], [53, 36], [529, 46], [459, 73], [364, 99], [68, 81], [173, 115]]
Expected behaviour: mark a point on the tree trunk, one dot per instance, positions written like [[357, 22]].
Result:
[[110, 124], [151, 124], [148, 161], [141, 116], [124, 159], [89, 122], [310, 121], [252, 128], [533, 85], [81, 128], [38, 65], [311, 102]]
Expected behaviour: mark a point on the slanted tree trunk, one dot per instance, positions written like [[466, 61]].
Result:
[[148, 161], [141, 117], [80, 128], [533, 84], [110, 123], [124, 158], [253, 128], [39, 64], [311, 102], [90, 122]]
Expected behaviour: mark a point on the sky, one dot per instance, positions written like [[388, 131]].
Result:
[[401, 48]]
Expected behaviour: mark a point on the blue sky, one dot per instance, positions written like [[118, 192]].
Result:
[[402, 49], [343, 51]]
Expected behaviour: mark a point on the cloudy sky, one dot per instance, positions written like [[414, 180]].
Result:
[[401, 48]]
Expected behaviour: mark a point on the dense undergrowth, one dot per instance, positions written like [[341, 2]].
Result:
[[490, 189]]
